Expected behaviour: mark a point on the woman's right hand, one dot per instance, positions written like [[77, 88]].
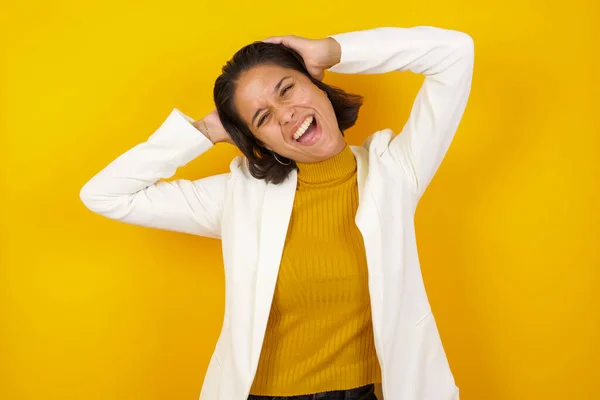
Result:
[[215, 133]]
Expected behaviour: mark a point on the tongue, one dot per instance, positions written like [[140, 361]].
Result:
[[308, 133]]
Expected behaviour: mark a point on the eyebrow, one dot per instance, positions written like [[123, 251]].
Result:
[[275, 90]]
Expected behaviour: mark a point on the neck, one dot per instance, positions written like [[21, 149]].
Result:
[[336, 169]]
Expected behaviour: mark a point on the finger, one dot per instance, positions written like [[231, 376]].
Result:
[[274, 39], [317, 74], [284, 40]]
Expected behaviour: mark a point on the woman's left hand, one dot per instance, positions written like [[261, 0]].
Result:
[[318, 54]]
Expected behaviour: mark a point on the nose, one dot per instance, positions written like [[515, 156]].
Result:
[[285, 115]]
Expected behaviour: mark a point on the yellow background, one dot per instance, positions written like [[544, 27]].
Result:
[[508, 230]]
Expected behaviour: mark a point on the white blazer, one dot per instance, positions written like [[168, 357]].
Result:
[[251, 217]]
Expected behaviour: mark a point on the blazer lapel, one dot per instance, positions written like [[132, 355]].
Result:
[[367, 221], [277, 209], [362, 170]]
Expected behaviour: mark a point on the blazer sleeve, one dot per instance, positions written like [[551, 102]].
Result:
[[129, 189], [446, 59]]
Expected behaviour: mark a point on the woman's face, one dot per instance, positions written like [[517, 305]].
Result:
[[288, 113]]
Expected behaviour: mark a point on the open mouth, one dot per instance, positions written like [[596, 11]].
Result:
[[307, 133]]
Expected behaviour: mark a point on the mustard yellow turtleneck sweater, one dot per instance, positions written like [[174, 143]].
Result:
[[319, 336]]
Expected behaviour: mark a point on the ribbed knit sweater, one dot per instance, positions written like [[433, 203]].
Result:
[[319, 335]]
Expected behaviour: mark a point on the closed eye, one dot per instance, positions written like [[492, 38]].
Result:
[[262, 119], [283, 92]]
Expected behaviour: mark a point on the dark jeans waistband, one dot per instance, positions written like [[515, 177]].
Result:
[[366, 392]]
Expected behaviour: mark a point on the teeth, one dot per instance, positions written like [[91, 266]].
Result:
[[303, 128]]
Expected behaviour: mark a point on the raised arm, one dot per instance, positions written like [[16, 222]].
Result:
[[446, 58], [129, 188]]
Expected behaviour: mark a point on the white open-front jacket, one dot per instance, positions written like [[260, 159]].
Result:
[[251, 217]]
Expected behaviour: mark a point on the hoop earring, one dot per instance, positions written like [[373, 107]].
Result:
[[275, 155]]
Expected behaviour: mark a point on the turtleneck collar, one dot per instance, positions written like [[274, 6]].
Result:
[[332, 171]]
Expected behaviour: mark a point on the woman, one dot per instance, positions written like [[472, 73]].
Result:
[[324, 294]]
